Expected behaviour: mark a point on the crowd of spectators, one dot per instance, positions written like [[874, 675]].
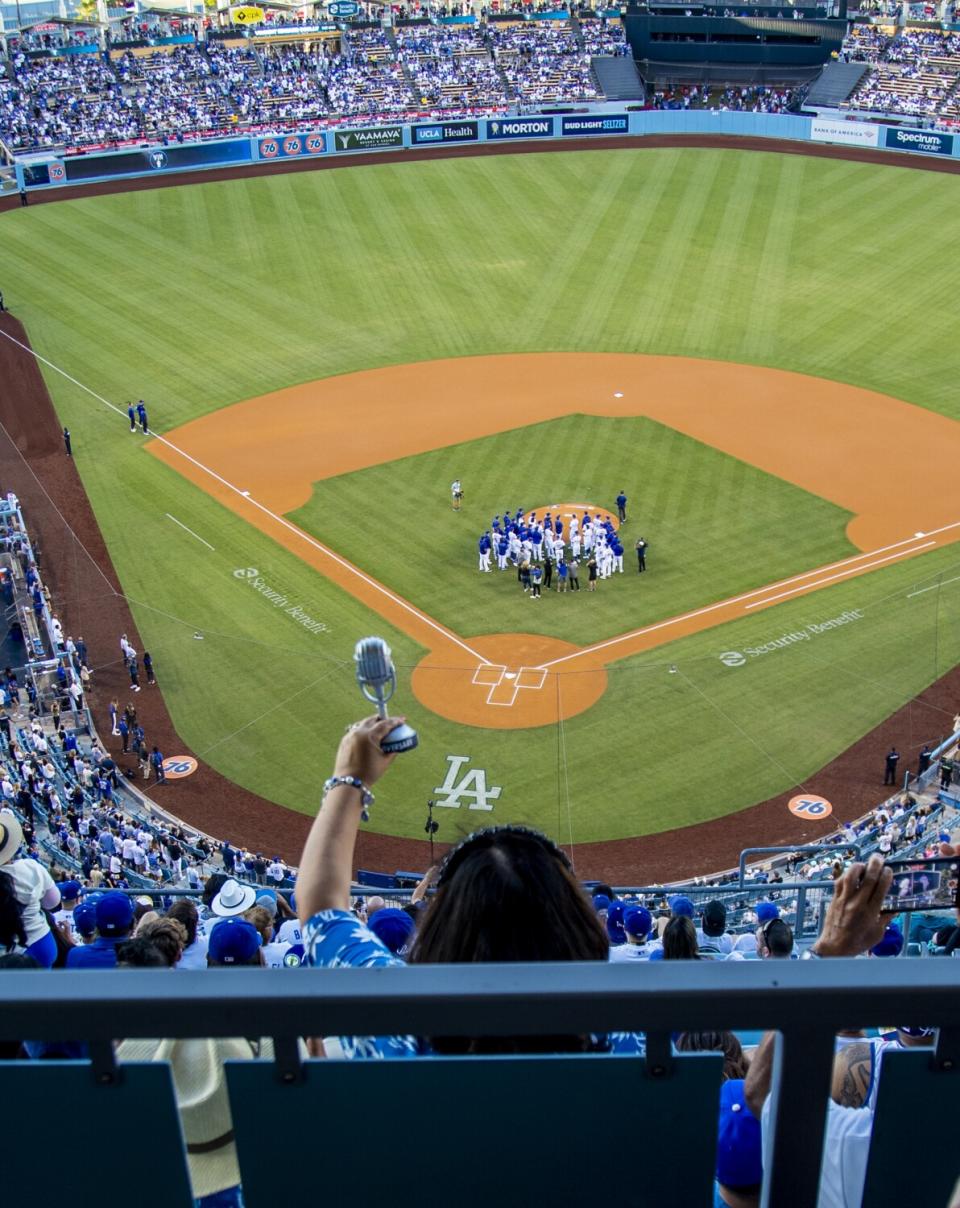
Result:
[[450, 66], [543, 61], [913, 71], [749, 98], [148, 92]]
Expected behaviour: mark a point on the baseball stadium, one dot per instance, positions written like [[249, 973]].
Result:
[[299, 306]]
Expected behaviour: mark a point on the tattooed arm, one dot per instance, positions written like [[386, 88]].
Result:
[[853, 1074]]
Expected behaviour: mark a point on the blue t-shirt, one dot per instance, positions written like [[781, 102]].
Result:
[[336, 939]]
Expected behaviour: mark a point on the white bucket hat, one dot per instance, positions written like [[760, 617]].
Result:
[[232, 899], [201, 1090], [11, 836]]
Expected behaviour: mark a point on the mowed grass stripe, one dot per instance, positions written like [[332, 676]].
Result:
[[242, 287]]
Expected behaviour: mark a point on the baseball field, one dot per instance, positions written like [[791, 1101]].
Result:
[[758, 349]]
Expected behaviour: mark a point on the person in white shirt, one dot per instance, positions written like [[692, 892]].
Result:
[[712, 935], [852, 926], [637, 925], [34, 890], [276, 871]]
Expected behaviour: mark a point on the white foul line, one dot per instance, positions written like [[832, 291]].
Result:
[[933, 587], [189, 530], [854, 570], [421, 616], [699, 612]]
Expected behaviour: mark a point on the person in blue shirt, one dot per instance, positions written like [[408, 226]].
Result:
[[142, 415], [504, 894], [622, 507], [114, 918], [562, 572], [503, 547], [132, 416]]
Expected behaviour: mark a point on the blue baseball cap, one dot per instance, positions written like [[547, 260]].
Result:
[[767, 911], [615, 923], [70, 890], [681, 905], [85, 918], [739, 1160], [891, 944], [392, 927], [114, 913], [601, 902], [233, 941], [637, 921]]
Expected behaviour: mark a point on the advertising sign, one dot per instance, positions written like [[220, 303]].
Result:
[[158, 159], [371, 138], [598, 123], [343, 8], [852, 134], [927, 141], [520, 127], [291, 145], [446, 132]]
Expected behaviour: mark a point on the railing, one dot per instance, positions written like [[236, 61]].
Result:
[[808, 1002]]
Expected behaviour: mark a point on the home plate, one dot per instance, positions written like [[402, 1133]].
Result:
[[619, 394], [510, 675]]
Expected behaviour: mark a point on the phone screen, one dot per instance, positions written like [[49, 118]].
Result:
[[923, 884]]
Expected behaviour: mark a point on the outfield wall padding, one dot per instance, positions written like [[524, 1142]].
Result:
[[605, 126]]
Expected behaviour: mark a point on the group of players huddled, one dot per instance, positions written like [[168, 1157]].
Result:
[[538, 549]]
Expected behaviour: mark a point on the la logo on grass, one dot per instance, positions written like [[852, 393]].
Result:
[[472, 788]]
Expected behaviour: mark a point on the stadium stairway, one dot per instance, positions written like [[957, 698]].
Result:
[[576, 30], [617, 77], [834, 84]]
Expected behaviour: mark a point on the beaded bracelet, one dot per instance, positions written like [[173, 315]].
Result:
[[366, 797]]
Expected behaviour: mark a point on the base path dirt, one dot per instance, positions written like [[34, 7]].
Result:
[[261, 457], [78, 568]]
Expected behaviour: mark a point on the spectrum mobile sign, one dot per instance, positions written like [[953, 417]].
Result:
[[737, 658]]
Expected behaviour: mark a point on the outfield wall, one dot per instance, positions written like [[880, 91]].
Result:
[[529, 130]]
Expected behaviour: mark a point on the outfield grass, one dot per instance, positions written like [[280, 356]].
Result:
[[198, 297]]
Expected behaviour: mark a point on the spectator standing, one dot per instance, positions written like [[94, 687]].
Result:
[[890, 766], [34, 889]]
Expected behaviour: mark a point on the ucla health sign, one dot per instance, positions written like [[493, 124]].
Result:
[[601, 123], [520, 127], [290, 146], [446, 132], [927, 141]]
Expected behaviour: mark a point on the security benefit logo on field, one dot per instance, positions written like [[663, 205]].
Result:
[[251, 576], [471, 787], [737, 658]]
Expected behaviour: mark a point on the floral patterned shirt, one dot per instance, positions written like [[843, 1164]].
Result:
[[337, 939]]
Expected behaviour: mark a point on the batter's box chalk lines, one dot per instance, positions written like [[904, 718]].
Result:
[[504, 684]]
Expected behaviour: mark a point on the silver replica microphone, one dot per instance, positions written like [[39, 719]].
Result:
[[378, 682]]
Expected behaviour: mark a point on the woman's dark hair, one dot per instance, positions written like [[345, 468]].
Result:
[[185, 912], [508, 894], [680, 940], [141, 953], [12, 930], [212, 886], [735, 1063]]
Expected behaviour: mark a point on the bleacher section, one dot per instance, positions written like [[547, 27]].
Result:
[[913, 72]]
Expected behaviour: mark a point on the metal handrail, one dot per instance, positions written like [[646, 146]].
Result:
[[808, 1002]]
